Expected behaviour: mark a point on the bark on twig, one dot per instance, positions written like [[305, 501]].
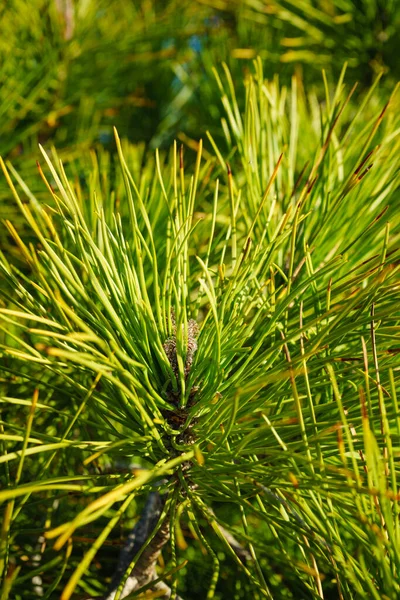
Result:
[[242, 553], [145, 569]]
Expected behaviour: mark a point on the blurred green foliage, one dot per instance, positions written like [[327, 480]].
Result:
[[71, 70]]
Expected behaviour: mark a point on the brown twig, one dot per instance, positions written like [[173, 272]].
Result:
[[144, 570]]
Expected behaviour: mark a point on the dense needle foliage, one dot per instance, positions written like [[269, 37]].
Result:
[[217, 322]]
